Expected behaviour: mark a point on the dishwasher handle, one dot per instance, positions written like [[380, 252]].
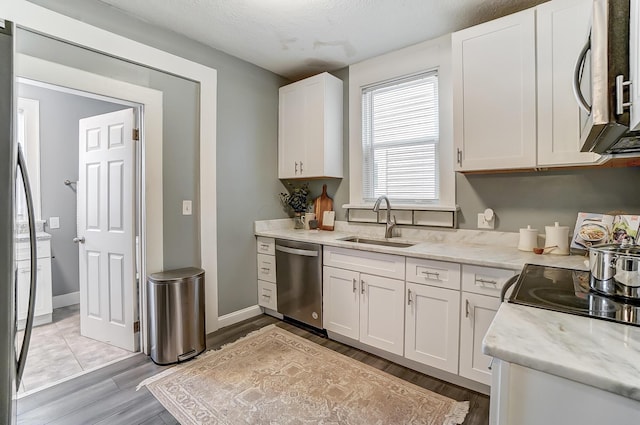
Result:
[[294, 251]]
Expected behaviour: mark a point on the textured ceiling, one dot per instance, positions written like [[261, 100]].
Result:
[[298, 38]]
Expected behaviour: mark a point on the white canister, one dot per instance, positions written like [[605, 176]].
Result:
[[558, 237], [528, 239], [307, 218]]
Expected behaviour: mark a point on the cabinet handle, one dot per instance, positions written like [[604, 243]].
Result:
[[490, 367], [296, 167], [483, 281], [265, 269], [409, 300], [354, 285], [362, 287], [459, 156], [301, 167], [466, 308], [264, 246], [428, 273]]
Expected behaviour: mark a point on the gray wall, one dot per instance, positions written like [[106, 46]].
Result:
[[247, 128], [59, 115], [540, 198]]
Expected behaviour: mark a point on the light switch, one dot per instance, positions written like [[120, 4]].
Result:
[[186, 207], [54, 222]]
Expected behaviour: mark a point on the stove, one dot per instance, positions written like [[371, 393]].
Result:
[[568, 291]]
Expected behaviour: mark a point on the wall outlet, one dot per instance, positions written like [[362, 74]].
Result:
[[483, 223], [186, 208], [54, 222]]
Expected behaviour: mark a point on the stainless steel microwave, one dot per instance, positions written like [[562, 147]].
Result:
[[602, 82]]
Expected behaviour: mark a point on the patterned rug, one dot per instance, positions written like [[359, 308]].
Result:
[[274, 377]]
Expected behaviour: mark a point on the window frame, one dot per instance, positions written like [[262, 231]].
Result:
[[432, 55]]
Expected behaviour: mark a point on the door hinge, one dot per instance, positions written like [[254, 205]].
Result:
[[136, 134], [459, 156], [136, 326]]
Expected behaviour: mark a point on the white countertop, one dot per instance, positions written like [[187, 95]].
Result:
[[595, 352], [24, 237], [460, 246]]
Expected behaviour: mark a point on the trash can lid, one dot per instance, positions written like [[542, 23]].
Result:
[[175, 275]]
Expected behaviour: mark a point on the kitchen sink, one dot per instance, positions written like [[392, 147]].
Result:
[[382, 242]]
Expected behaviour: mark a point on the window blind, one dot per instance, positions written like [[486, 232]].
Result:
[[400, 134]]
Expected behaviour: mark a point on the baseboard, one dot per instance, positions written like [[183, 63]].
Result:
[[66, 299], [239, 316]]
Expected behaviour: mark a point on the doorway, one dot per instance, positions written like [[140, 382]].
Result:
[[60, 348]]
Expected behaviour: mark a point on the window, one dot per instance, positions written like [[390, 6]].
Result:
[[400, 135]]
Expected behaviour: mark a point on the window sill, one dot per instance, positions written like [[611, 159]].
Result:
[[411, 215]]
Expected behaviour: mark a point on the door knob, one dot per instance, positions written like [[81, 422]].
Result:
[[78, 240]]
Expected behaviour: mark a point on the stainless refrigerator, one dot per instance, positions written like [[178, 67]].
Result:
[[13, 350]]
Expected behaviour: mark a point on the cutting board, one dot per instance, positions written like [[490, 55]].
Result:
[[321, 204]]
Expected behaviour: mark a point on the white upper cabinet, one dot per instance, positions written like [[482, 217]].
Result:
[[494, 98], [634, 47], [310, 128], [562, 30], [513, 98]]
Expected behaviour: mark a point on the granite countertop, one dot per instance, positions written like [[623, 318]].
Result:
[[595, 352], [468, 247]]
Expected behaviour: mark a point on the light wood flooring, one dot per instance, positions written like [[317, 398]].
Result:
[[108, 395]]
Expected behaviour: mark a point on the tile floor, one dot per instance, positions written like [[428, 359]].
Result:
[[58, 351]]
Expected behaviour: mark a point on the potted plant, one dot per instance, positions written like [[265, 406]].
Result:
[[297, 200]]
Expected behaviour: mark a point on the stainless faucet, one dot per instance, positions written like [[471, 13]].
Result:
[[388, 233]]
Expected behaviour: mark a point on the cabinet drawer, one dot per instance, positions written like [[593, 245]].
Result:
[[267, 267], [23, 251], [374, 263], [267, 295], [266, 245], [435, 273], [484, 280]]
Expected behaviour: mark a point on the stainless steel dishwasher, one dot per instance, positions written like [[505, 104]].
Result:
[[299, 281]]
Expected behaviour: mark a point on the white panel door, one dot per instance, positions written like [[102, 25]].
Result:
[[431, 326], [563, 28], [106, 222], [382, 313], [494, 96], [341, 297], [477, 312]]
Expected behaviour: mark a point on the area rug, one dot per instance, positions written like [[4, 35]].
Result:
[[272, 376]]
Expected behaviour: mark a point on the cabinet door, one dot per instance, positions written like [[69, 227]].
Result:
[[382, 313], [477, 312], [340, 301], [291, 123], [23, 288], [431, 326], [44, 295], [634, 65], [312, 159], [494, 98], [562, 28]]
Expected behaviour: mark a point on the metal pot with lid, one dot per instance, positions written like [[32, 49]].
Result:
[[614, 269]]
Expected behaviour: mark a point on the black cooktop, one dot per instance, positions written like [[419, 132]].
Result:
[[567, 291]]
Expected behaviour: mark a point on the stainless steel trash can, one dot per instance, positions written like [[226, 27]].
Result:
[[175, 304]]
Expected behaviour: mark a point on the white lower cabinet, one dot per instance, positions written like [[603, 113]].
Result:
[[476, 316], [44, 297], [382, 313], [364, 307], [341, 301], [267, 295], [431, 326]]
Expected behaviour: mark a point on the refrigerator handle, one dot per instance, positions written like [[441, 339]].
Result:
[[22, 357]]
